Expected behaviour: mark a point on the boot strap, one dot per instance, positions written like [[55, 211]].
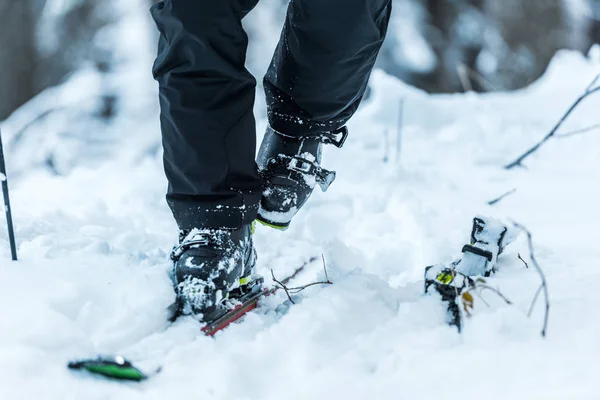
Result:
[[183, 247], [337, 137], [200, 239], [303, 166]]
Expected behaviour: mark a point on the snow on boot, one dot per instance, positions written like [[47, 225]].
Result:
[[291, 168], [210, 267]]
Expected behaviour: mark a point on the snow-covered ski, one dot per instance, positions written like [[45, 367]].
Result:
[[119, 368], [249, 302], [455, 281]]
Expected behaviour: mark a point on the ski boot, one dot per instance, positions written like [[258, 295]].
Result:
[[291, 168], [211, 268]]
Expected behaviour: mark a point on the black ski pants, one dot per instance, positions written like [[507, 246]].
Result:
[[314, 84]]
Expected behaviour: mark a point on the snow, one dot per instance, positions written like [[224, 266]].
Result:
[[93, 270], [279, 217]]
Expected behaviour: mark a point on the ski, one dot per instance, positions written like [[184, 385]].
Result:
[[249, 302], [455, 282], [121, 369]]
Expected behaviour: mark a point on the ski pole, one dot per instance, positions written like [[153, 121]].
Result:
[[9, 222]]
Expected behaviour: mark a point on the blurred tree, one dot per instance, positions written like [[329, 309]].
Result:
[[18, 54], [455, 32], [522, 36], [595, 21], [437, 45], [65, 38], [42, 41], [484, 45]]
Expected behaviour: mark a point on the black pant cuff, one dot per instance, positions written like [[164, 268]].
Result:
[[191, 212]]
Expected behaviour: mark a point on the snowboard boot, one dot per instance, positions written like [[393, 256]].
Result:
[[291, 168], [211, 268]]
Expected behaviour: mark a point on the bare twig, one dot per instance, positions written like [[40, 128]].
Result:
[[480, 285], [325, 267], [589, 91], [463, 76], [483, 82], [524, 262], [17, 136], [282, 285], [593, 83], [481, 298], [399, 131], [327, 282], [500, 198], [537, 293], [386, 146], [578, 131], [543, 286], [296, 290], [487, 287]]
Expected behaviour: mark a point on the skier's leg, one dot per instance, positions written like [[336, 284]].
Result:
[[206, 98], [322, 64], [316, 80]]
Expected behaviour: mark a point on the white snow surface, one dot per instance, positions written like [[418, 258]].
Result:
[[93, 244]]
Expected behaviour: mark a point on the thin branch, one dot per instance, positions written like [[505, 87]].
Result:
[[463, 77], [537, 294], [325, 267], [589, 91], [386, 146], [482, 286], [544, 285], [524, 262], [17, 136], [593, 83], [456, 293], [578, 131], [483, 82], [499, 199], [327, 282], [481, 298], [399, 131], [296, 290], [282, 285]]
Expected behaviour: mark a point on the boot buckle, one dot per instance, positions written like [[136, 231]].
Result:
[[299, 164], [323, 177], [336, 138]]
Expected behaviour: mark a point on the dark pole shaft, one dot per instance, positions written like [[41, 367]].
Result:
[[9, 222]]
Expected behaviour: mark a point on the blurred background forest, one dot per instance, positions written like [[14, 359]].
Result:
[[80, 65]]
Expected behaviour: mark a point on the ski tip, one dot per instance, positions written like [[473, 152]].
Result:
[[113, 367]]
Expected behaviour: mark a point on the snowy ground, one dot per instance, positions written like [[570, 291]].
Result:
[[93, 271]]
